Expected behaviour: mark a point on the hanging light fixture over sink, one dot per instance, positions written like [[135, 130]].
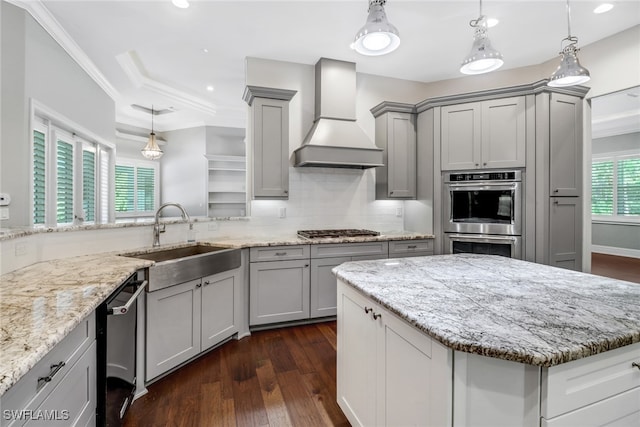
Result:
[[377, 36], [570, 72], [152, 150], [483, 58]]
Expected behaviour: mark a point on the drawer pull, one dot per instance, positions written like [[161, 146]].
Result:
[[368, 310], [281, 253], [636, 365], [376, 316], [52, 373], [412, 247], [207, 282]]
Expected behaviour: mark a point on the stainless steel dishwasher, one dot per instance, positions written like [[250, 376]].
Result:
[[116, 331]]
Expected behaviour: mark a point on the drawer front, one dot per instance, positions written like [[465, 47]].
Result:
[[572, 385], [278, 253], [349, 249], [404, 247], [620, 410], [29, 392]]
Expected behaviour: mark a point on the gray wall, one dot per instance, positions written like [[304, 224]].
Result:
[[625, 236], [35, 67]]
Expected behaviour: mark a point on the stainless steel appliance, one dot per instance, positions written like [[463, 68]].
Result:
[[483, 212], [346, 232], [116, 332]]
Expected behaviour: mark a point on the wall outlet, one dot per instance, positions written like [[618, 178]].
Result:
[[4, 212], [282, 212], [399, 212]]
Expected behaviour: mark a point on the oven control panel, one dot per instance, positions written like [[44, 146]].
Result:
[[485, 176]]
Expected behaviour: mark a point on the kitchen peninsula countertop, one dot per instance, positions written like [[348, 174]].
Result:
[[502, 307], [40, 304]]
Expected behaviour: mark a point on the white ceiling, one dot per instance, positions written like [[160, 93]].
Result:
[[150, 52]]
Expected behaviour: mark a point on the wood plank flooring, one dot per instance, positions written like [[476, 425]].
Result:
[[280, 377]]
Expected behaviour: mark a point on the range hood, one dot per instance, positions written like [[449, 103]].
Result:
[[335, 139]]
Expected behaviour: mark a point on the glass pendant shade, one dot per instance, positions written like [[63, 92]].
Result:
[[152, 151], [483, 58], [377, 36]]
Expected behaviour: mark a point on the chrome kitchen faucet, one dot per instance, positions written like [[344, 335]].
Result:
[[156, 227]]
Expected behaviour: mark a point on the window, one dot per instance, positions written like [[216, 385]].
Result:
[[137, 190], [70, 172], [615, 187]]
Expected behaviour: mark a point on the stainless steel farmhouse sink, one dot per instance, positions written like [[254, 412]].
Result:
[[179, 265]]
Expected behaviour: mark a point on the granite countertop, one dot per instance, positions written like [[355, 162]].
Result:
[[502, 307], [40, 304]]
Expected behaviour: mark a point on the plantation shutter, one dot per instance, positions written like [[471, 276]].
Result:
[[104, 185], [602, 188], [89, 185], [146, 189], [39, 181], [125, 188], [628, 187], [64, 182]]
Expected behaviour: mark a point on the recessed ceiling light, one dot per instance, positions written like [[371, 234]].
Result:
[[182, 4], [604, 7], [210, 88], [205, 50], [492, 22]]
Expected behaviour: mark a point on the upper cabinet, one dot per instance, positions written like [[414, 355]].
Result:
[[484, 135], [396, 135], [565, 145], [269, 141]]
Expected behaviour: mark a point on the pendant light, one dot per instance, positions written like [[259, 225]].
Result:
[[377, 36], [152, 151], [483, 58], [570, 72]]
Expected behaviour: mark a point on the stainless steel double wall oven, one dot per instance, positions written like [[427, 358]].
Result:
[[483, 212]]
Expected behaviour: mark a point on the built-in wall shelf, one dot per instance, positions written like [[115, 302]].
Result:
[[226, 185]]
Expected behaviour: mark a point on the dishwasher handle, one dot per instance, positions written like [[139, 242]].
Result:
[[124, 309]]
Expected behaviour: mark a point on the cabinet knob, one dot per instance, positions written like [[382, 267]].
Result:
[[368, 310], [477, 164], [376, 316], [556, 190], [635, 365], [207, 283], [199, 285], [484, 164], [286, 191], [306, 265], [390, 192]]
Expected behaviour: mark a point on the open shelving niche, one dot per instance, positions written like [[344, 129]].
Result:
[[226, 190]]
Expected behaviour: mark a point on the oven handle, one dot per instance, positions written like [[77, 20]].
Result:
[[124, 309], [481, 239], [483, 186]]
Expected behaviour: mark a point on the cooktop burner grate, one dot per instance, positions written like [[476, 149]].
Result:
[[349, 232]]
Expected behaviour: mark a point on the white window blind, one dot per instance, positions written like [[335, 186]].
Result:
[[136, 188], [89, 184], [39, 177], [615, 187]]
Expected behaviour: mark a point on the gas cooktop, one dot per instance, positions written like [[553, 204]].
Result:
[[349, 232]]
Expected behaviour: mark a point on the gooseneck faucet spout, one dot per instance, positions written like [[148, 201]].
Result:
[[156, 226]]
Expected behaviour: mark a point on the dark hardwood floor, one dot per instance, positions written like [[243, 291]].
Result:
[[280, 377], [617, 267]]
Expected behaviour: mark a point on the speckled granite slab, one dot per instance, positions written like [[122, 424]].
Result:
[[42, 303], [503, 308]]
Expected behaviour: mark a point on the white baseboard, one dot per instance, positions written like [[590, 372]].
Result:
[[611, 250]]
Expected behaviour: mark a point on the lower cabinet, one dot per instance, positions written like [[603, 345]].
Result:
[[61, 389], [186, 319], [565, 232], [388, 373]]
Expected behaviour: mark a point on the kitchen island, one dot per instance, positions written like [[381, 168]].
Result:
[[485, 340]]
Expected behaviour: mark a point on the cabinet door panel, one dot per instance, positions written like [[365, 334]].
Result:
[[220, 295], [323, 286], [271, 148], [565, 156], [503, 133], [279, 291], [461, 133], [173, 327], [401, 157], [565, 232]]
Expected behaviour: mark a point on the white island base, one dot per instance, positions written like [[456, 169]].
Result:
[[389, 373]]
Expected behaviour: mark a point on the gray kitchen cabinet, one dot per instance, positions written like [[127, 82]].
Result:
[[269, 141], [410, 248], [565, 145], [173, 326], [565, 232], [187, 319], [396, 135], [484, 135], [278, 291], [69, 394]]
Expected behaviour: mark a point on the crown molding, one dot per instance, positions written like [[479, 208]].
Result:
[[251, 92], [137, 74], [392, 107], [43, 16]]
